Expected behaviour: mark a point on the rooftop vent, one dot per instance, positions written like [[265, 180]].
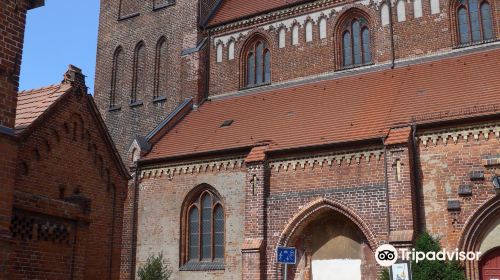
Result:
[[226, 123]]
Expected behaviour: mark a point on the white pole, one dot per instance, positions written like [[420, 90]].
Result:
[[286, 271]]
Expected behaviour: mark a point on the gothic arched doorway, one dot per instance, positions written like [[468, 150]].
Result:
[[490, 265], [331, 242]]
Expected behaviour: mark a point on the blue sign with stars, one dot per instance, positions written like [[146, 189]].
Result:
[[286, 255]]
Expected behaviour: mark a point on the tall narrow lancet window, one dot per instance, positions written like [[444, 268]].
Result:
[[258, 64], [194, 242], [138, 74], [161, 62], [116, 78], [474, 21], [356, 43], [218, 232], [204, 229]]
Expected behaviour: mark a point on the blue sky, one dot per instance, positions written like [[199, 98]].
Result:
[[60, 33]]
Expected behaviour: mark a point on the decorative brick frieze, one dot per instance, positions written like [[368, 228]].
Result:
[[478, 132], [194, 167], [326, 160]]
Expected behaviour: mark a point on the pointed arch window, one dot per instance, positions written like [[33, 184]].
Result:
[[161, 74], [356, 43], [258, 64], [116, 77], [204, 231], [139, 71], [474, 21]]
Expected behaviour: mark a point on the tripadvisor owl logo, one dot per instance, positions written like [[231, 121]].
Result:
[[386, 255]]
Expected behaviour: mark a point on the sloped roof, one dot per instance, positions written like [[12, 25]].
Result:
[[231, 10], [357, 107], [32, 103]]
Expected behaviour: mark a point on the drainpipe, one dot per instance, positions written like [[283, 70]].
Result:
[[111, 247], [386, 179], [134, 221], [391, 29], [207, 61], [416, 176]]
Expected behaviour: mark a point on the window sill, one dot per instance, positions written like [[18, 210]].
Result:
[[161, 7], [202, 266], [136, 104], [159, 99], [114, 108], [128, 16], [460, 46], [256, 86], [343, 68]]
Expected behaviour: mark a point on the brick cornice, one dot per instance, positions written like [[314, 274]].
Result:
[[346, 157], [484, 131], [193, 167]]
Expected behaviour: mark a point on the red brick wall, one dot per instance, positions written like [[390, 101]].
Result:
[[161, 224], [444, 167], [415, 37], [12, 24], [57, 161], [176, 23]]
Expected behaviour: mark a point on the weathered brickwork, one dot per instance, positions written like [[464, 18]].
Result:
[[159, 217], [68, 207], [444, 168], [12, 25], [414, 37], [169, 36]]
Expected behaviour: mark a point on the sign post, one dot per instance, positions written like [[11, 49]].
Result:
[[286, 256]]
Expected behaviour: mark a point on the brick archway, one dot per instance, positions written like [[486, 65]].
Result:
[[315, 209], [474, 231]]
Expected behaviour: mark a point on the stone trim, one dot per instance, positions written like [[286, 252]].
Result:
[[328, 159], [461, 133], [193, 167]]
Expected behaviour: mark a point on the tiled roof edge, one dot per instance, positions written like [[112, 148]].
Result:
[[178, 112], [334, 75]]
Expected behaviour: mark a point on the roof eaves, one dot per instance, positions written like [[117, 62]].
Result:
[[170, 121]]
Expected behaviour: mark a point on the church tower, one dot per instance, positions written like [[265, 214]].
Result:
[[150, 58]]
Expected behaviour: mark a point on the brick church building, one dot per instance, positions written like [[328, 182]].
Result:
[[330, 126]]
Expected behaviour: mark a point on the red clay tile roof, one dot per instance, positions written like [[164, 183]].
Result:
[[398, 136], [32, 103], [363, 106], [257, 154], [231, 10]]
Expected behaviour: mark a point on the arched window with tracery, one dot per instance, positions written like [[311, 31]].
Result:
[[116, 78], [257, 61], [356, 42], [474, 21], [204, 220]]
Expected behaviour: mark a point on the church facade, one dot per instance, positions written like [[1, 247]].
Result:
[[333, 127]]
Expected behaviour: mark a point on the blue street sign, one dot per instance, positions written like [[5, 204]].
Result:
[[286, 255]]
